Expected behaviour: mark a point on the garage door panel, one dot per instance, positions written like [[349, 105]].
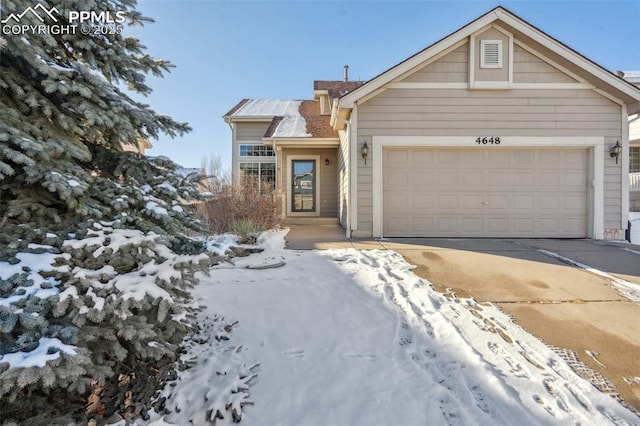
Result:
[[498, 178], [422, 202], [472, 202], [485, 192], [472, 224], [472, 179]]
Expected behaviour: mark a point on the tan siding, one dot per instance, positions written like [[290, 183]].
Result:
[[451, 68], [328, 201], [250, 132], [459, 112], [528, 68]]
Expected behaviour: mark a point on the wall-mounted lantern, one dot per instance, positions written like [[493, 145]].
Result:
[[326, 162], [364, 151], [616, 151]]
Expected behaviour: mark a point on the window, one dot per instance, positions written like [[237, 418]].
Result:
[[256, 151], [634, 159], [490, 53], [262, 175]]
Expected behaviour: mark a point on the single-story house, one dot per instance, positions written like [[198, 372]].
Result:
[[496, 130]]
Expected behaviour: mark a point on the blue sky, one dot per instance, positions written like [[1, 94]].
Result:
[[225, 51]]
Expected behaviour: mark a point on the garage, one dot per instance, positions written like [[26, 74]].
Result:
[[485, 192]]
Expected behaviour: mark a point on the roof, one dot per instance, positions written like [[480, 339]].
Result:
[[306, 123], [337, 88], [613, 84], [264, 108], [631, 76]]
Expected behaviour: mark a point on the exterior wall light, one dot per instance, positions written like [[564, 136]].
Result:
[[364, 151], [326, 162], [616, 150]]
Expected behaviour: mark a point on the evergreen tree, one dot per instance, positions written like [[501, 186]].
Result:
[[95, 266]]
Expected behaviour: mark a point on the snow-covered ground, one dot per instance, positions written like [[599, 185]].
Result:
[[346, 337], [634, 218]]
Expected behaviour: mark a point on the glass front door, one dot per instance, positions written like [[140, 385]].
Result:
[[303, 186]]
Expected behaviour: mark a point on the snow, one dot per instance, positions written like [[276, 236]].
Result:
[[40, 355], [269, 107], [168, 187], [156, 208], [219, 244], [292, 127], [41, 287], [73, 183], [347, 337]]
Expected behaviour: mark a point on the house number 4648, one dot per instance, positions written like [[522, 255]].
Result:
[[493, 140]]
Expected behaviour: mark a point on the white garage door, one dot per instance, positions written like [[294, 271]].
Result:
[[493, 192]]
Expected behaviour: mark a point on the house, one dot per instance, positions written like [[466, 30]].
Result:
[[496, 130], [633, 77]]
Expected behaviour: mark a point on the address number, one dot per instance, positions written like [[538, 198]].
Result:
[[493, 140]]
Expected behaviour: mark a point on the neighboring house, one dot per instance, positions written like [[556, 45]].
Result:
[[633, 77], [497, 130]]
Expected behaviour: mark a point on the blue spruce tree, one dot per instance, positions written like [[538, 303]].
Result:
[[95, 264]]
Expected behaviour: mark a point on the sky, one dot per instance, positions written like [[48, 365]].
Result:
[[227, 50]]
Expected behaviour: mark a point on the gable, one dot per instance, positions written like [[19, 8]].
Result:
[[564, 64], [454, 67]]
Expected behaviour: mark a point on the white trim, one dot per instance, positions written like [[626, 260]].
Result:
[[235, 155], [483, 51], [488, 84], [290, 158], [506, 142], [501, 84], [303, 143], [624, 158], [598, 192], [424, 85], [553, 86], [353, 170]]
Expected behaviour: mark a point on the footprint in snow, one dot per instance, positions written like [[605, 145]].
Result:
[[296, 353], [368, 357]]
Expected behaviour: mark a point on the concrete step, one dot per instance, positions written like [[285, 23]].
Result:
[[317, 221]]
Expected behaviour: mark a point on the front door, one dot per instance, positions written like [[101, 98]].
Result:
[[303, 186]]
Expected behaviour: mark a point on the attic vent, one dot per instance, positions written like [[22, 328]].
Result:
[[491, 54]]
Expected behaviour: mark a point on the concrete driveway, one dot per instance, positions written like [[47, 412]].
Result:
[[565, 306], [536, 282]]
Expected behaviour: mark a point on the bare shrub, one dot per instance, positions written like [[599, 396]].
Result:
[[240, 209]]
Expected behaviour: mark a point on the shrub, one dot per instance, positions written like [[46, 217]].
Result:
[[240, 209]]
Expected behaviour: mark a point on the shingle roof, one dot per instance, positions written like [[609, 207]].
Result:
[[337, 88], [318, 125], [315, 125]]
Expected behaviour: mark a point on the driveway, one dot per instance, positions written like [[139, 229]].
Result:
[[541, 284], [565, 306]]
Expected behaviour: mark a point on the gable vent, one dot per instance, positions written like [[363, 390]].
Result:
[[491, 54]]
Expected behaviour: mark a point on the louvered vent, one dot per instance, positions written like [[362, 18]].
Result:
[[491, 54]]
